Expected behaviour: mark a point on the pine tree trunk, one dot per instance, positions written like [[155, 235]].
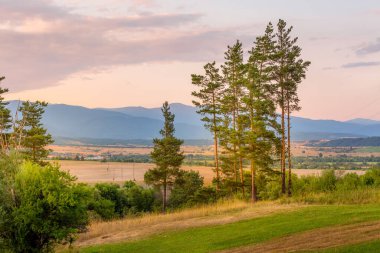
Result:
[[164, 197], [289, 155], [216, 160], [253, 172], [283, 180], [216, 147], [242, 175], [234, 156], [253, 179]]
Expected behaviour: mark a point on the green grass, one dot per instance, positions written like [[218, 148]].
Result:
[[367, 247], [367, 150], [208, 239]]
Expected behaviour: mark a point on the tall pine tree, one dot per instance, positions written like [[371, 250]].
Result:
[[167, 156], [209, 106], [289, 70], [234, 72], [261, 125]]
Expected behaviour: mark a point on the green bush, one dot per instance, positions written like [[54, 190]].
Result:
[[184, 189], [138, 199], [350, 181], [111, 200], [40, 206], [371, 178]]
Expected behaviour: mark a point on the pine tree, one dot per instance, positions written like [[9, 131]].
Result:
[[209, 105], [167, 156], [5, 119], [261, 125], [34, 137], [289, 70], [296, 72], [234, 71]]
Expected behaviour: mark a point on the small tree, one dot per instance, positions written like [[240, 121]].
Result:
[[34, 137], [167, 156]]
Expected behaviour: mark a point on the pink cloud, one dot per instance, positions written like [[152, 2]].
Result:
[[60, 43]]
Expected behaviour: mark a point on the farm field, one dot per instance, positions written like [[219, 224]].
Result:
[[241, 228], [299, 149], [95, 171]]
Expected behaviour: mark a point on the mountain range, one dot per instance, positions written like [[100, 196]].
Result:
[[142, 123]]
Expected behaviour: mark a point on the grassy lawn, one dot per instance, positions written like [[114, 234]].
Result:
[[247, 232], [367, 247]]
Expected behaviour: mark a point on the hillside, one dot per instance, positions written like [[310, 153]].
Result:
[[352, 142], [139, 123]]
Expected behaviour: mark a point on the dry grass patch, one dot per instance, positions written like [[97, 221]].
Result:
[[149, 224]]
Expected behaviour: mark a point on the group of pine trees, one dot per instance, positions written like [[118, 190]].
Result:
[[24, 131], [240, 105]]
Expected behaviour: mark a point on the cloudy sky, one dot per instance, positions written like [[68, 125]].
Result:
[[113, 53]]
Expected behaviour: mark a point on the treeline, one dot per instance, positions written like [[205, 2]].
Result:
[[239, 106]]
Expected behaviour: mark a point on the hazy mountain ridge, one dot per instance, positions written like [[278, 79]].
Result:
[[352, 142], [131, 123]]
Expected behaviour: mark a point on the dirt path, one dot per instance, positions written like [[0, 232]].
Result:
[[132, 229], [317, 239]]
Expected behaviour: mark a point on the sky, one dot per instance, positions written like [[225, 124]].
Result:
[[116, 53]]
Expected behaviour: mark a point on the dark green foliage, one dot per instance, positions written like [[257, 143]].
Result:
[[139, 199], [40, 206], [112, 201], [166, 155], [184, 188], [31, 135], [105, 208], [112, 193]]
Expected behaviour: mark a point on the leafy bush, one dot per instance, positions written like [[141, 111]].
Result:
[[111, 200], [184, 188], [40, 206], [188, 190]]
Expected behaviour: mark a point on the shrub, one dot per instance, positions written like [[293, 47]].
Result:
[[41, 206], [350, 181], [188, 190]]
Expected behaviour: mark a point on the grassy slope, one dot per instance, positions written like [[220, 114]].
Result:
[[246, 232]]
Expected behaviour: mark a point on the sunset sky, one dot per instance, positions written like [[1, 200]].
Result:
[[114, 53]]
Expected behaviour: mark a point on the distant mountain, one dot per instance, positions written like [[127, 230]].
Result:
[[344, 129], [362, 121], [352, 142], [139, 123], [80, 122], [183, 113]]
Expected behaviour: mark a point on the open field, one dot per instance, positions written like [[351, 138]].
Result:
[[94, 171], [299, 149], [263, 228], [112, 150]]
